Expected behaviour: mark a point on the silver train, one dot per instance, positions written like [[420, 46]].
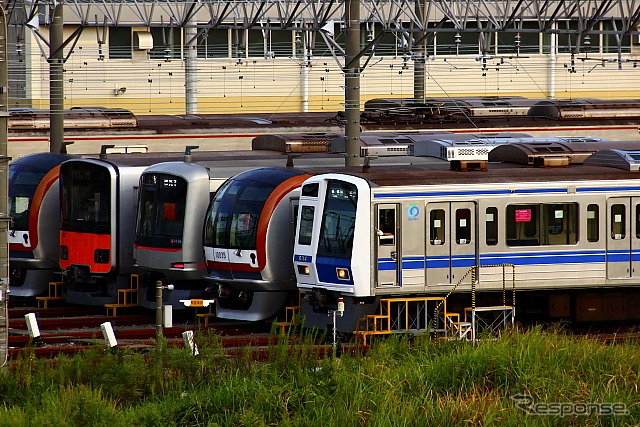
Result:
[[34, 207], [376, 110], [248, 242], [98, 208], [469, 108], [572, 234], [173, 199], [77, 117]]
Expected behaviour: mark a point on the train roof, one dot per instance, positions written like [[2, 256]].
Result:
[[42, 161], [621, 159], [571, 149], [496, 173]]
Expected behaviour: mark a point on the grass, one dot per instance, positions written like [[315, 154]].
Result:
[[397, 383]]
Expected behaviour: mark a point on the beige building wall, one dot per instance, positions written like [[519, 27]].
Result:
[[285, 84]]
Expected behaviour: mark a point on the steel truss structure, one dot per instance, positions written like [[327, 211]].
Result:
[[422, 16]]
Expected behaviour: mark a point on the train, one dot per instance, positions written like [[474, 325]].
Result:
[[491, 107], [34, 207], [97, 209], [570, 233], [74, 118], [248, 242], [256, 255], [172, 200], [89, 128]]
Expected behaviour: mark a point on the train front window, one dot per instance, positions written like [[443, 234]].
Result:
[[338, 220], [232, 220], [23, 182], [161, 215], [85, 197]]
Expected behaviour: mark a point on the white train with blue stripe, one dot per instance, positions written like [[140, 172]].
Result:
[[572, 234]]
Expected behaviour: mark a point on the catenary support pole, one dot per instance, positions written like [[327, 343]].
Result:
[[56, 80], [352, 83]]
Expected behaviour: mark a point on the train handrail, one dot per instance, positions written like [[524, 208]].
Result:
[[473, 270]]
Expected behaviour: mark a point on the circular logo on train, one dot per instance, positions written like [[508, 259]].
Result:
[[413, 211]]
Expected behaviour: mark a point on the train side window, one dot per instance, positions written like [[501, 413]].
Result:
[[638, 221], [463, 226], [436, 227], [306, 225], [522, 225], [491, 226], [618, 221], [561, 224], [593, 219], [386, 226]]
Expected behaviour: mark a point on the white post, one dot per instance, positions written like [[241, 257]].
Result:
[[109, 335], [32, 327], [187, 336]]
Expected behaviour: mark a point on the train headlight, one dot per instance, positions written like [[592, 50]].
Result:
[[343, 273], [101, 256], [303, 270], [64, 252]]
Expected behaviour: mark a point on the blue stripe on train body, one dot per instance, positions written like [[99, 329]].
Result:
[[517, 258]]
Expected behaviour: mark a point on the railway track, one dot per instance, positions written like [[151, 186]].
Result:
[[69, 330]]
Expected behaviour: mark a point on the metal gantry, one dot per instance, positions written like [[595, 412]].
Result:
[[416, 22]]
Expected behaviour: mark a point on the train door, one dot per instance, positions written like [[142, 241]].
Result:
[[618, 252], [388, 271], [451, 246], [635, 237]]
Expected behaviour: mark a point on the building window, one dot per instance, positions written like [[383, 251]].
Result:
[[120, 43]]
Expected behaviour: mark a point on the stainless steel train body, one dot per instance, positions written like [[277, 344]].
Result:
[[446, 108], [248, 239], [98, 201], [34, 208], [77, 117], [586, 108], [172, 203], [572, 233]]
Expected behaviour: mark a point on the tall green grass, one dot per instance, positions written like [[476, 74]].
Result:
[[397, 382]]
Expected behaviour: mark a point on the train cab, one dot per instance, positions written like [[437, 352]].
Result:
[[34, 232], [248, 243], [98, 201], [172, 203]]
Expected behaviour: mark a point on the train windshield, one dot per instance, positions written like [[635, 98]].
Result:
[[163, 199], [233, 216], [23, 181], [338, 220], [85, 197], [25, 175]]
